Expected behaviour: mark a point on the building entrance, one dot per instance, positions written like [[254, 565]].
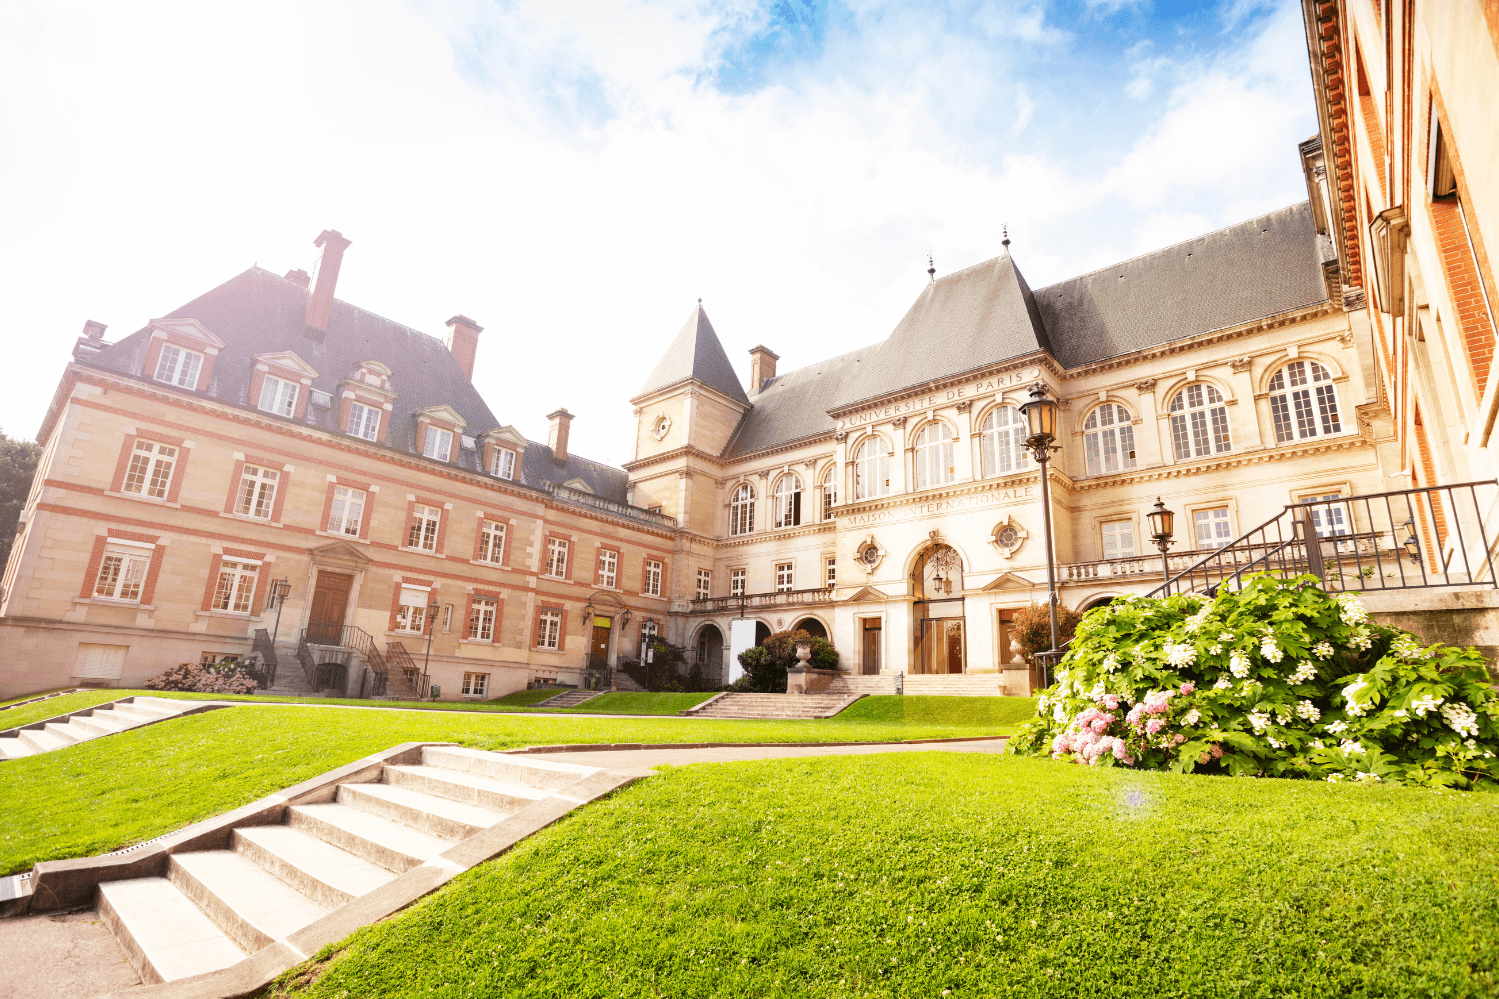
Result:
[[598, 652], [869, 661], [330, 602], [939, 610]]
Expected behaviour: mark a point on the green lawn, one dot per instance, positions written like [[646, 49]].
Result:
[[1004, 713], [932, 874], [111, 792], [27, 697], [525, 698], [54, 706], [637, 703]]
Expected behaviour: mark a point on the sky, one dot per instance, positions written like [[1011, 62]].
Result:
[[575, 175]]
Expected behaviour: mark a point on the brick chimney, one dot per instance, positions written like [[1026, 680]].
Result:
[[299, 276], [762, 367], [91, 342], [562, 421], [463, 343], [325, 278]]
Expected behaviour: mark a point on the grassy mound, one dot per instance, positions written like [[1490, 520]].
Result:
[[929, 874], [523, 698], [54, 706]]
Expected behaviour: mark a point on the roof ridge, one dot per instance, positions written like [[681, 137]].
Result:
[[356, 308]]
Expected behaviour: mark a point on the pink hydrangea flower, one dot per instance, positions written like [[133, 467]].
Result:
[[1155, 725], [1217, 751], [1188, 687]]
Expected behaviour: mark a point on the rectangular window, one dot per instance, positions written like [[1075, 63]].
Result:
[[178, 367], [347, 511], [412, 611], [652, 586], [150, 470], [257, 492], [236, 586], [439, 443], [608, 568], [122, 573], [100, 662], [1119, 539], [549, 630], [1212, 527], [556, 558], [491, 542], [736, 582], [475, 684], [1329, 516], [704, 584], [481, 620], [364, 421], [447, 618], [423, 533], [278, 396], [785, 577], [504, 463], [832, 572]]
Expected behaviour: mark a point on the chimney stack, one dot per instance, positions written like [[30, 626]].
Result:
[[299, 276], [91, 342], [325, 279], [762, 367], [463, 343], [557, 435]]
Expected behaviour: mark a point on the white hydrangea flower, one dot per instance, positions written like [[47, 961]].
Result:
[[1317, 744], [1460, 718], [1181, 655], [1337, 727], [1400, 713], [1269, 650], [1350, 693], [1111, 663], [1097, 691], [1260, 720], [1216, 650], [1366, 778], [1361, 640], [1406, 647], [1274, 743], [1226, 636], [1334, 778], [1322, 650], [1192, 717], [1306, 672], [1351, 746], [1282, 716], [1195, 622], [1059, 713], [1351, 610], [1223, 683], [1238, 664], [1426, 703], [1309, 711]]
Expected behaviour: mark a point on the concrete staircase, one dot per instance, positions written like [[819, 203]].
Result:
[[781, 706], [210, 909], [942, 684], [91, 723], [569, 699]]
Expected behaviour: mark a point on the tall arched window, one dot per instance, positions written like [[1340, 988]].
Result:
[[1199, 422], [872, 469], [1303, 402], [934, 456], [1109, 439], [829, 491], [742, 510], [788, 501], [1002, 442]]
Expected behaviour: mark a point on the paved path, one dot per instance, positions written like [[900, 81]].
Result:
[[642, 760], [61, 957]]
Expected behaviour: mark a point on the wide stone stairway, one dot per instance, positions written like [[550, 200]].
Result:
[[568, 699], [941, 684], [773, 706], [91, 723]]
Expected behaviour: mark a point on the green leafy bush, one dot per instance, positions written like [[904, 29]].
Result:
[[1031, 628], [765, 665], [1279, 678]]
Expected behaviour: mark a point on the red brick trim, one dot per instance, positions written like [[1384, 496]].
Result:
[[395, 605], [619, 564], [364, 518], [346, 405], [444, 514], [643, 560], [257, 382], [91, 571], [561, 630], [283, 483], [96, 557], [262, 578], [153, 356], [572, 555], [179, 467], [508, 525], [468, 611]]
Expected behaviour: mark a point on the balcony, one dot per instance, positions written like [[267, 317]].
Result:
[[609, 506], [762, 601], [1232, 556]]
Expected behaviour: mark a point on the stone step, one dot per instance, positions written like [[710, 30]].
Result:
[[245, 900], [437, 816], [393, 846], [513, 769], [67, 732], [165, 936], [321, 871], [140, 711], [498, 797], [14, 749], [40, 740], [571, 699], [102, 722]]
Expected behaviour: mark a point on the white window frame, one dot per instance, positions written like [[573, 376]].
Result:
[[785, 577], [608, 568], [492, 542], [704, 584], [935, 456], [411, 618], [421, 534], [278, 396], [179, 366], [234, 590], [1307, 407], [364, 421], [1199, 522], [652, 587], [549, 629], [830, 570], [122, 572], [257, 492], [1109, 439], [1125, 526], [742, 511], [872, 469], [1331, 510], [475, 684], [787, 502], [151, 468], [504, 463], [346, 513], [737, 579], [1002, 442], [481, 619], [557, 550], [1199, 422], [829, 492], [438, 443]]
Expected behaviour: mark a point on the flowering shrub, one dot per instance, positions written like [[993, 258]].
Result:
[[1279, 678], [204, 679]]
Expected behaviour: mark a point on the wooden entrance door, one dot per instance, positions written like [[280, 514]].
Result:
[[598, 652], [330, 602], [869, 661], [942, 645]]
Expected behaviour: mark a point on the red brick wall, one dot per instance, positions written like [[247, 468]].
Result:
[[1462, 281]]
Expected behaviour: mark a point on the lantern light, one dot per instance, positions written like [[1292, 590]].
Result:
[[1041, 416], [1162, 521]]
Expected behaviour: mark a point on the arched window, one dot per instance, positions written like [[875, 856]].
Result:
[[1002, 442], [1303, 402], [1108, 439], [934, 456], [742, 511], [871, 469], [1199, 422], [829, 491], [788, 501]]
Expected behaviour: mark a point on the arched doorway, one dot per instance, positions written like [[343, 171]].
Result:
[[1100, 602], [938, 618], [811, 626], [709, 651], [762, 632]]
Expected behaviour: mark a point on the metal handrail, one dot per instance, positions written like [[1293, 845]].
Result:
[[266, 650], [769, 598]]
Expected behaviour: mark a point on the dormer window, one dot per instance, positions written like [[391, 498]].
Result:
[[504, 463], [364, 421], [278, 396], [439, 443], [178, 366]]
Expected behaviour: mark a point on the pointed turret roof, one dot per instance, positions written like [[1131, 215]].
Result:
[[696, 354]]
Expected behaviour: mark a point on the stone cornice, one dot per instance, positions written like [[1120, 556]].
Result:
[[685, 451], [1057, 478], [698, 386], [1032, 360], [1346, 442], [782, 534]]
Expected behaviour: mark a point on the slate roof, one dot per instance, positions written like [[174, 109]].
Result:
[[986, 314], [258, 312], [696, 353]]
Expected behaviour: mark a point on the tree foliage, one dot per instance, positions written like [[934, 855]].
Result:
[[1031, 629], [665, 669], [18, 460], [765, 665]]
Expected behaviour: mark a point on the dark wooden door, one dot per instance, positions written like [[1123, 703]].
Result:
[[599, 650], [869, 663], [330, 601]]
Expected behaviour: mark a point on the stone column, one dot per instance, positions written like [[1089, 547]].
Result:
[[840, 460], [1243, 408], [963, 448], [898, 460], [1147, 438]]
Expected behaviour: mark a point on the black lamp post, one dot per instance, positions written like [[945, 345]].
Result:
[[1162, 521], [279, 591], [1041, 417], [431, 627]]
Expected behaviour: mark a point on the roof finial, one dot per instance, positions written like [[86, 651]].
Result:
[[931, 269], [699, 301], [1005, 228]]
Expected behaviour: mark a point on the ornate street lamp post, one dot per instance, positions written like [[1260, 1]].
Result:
[[431, 627], [280, 589], [1041, 416], [1162, 521]]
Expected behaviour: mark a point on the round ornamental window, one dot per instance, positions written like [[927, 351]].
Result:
[[870, 555], [1007, 537], [660, 427]]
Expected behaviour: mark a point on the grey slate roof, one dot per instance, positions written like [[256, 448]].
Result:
[[986, 314], [696, 353], [258, 312]]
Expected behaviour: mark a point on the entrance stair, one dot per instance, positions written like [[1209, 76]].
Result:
[[773, 706], [91, 723], [569, 699]]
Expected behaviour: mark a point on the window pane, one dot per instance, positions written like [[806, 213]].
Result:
[[1280, 413], [1327, 406]]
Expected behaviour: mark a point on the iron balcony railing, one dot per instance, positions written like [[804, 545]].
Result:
[[609, 506], [762, 601], [266, 650], [1409, 538], [400, 659]]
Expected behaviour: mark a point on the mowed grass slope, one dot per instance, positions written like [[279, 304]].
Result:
[[121, 789], [932, 874], [25, 714]]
